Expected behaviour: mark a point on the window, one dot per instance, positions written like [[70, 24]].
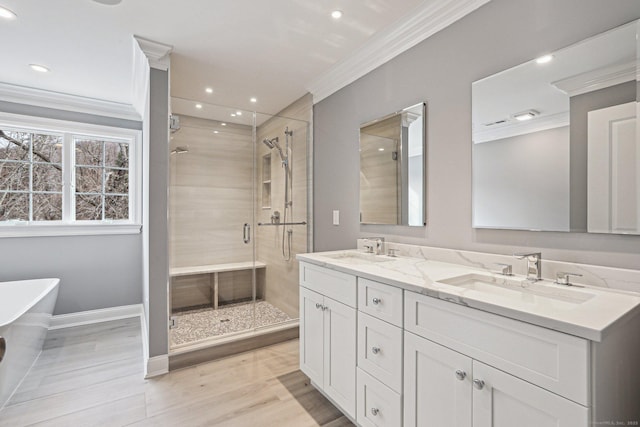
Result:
[[64, 174]]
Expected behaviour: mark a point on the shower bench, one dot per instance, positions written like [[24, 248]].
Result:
[[213, 270]]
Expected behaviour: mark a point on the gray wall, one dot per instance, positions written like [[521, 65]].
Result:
[[440, 70], [95, 271], [158, 226]]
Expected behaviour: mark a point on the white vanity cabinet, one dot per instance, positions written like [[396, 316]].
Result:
[[537, 378], [328, 333], [379, 397]]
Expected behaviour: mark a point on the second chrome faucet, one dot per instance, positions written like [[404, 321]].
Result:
[[534, 264]]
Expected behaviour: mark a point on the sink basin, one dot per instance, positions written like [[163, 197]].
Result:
[[521, 290], [354, 257]]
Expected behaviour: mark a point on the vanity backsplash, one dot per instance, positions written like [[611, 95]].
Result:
[[593, 275]]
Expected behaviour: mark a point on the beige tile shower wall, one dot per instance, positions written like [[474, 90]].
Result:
[[281, 287], [210, 193]]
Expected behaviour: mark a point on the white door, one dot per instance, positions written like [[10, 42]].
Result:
[[311, 335], [503, 400], [614, 170], [340, 354], [437, 385]]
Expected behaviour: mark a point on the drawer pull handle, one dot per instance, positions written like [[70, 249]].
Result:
[[375, 350], [479, 384], [377, 301], [374, 411], [460, 374]]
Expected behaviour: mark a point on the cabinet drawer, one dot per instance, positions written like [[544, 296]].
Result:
[[555, 361], [380, 350], [380, 300], [334, 284], [377, 404]]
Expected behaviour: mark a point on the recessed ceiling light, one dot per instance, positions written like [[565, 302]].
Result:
[[108, 2], [525, 115], [223, 124], [39, 68], [215, 131], [6, 13], [198, 106], [544, 59], [380, 149], [209, 90], [233, 114], [336, 14], [254, 100], [238, 113]]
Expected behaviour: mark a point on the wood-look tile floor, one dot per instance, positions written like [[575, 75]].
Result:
[[93, 376]]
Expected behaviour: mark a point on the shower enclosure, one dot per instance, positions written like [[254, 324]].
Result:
[[238, 197]]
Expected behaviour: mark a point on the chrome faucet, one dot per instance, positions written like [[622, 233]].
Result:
[[534, 265], [379, 245]]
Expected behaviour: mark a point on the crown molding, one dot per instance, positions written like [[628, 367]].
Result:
[[516, 128], [598, 79], [157, 53], [421, 23], [66, 102]]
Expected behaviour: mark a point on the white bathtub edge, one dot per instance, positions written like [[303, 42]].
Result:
[[95, 316]]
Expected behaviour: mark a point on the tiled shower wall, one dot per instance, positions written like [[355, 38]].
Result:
[[281, 288]]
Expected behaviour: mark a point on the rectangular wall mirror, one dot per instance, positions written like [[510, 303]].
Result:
[[392, 168], [556, 145]]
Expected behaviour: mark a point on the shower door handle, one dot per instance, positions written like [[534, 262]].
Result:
[[246, 233]]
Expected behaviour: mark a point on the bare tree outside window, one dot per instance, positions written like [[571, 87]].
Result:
[[31, 177]]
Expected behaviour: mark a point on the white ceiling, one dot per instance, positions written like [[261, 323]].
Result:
[[270, 49]]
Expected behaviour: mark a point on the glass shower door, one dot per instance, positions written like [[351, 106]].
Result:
[[212, 223]]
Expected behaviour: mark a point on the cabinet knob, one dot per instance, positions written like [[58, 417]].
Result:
[[377, 301], [460, 374], [374, 411], [325, 308], [318, 305], [375, 350], [479, 384]]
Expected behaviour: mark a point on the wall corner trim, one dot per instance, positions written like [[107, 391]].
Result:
[[157, 53], [95, 316], [420, 24]]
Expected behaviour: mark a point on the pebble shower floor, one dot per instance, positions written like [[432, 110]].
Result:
[[199, 324]]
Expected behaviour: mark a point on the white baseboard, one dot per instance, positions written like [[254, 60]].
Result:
[[95, 316], [157, 365], [153, 366]]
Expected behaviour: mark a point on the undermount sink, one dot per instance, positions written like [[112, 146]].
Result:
[[354, 257], [521, 290]]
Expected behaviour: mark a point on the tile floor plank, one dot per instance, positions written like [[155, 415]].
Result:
[[92, 376]]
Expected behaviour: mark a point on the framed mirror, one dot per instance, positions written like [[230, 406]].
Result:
[[392, 168], [556, 146]]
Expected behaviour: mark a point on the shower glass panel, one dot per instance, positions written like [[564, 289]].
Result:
[[237, 217]]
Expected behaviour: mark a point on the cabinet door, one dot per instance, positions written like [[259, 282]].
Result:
[[311, 335], [340, 354], [437, 385], [506, 401]]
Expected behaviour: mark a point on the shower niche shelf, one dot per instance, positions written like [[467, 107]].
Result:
[[266, 181]]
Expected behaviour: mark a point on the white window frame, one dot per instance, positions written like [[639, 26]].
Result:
[[69, 226]]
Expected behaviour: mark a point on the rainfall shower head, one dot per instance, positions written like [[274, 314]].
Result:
[[271, 142], [180, 150]]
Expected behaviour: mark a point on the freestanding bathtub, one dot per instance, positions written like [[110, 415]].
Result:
[[25, 314]]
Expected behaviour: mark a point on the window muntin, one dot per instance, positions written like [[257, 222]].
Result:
[[101, 179], [30, 176], [66, 177]]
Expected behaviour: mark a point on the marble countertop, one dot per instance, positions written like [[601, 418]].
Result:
[[584, 311]]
